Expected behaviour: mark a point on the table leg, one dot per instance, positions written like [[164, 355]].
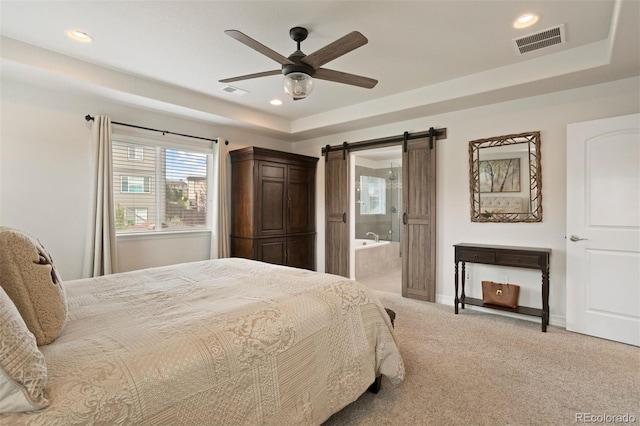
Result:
[[464, 275], [456, 300], [545, 299]]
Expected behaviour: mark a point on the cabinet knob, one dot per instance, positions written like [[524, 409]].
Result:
[[475, 256]]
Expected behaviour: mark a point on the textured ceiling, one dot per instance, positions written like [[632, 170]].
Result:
[[429, 56]]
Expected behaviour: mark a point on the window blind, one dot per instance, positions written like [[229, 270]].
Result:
[[159, 188]]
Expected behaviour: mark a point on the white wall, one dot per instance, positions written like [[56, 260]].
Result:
[[44, 176], [548, 113], [44, 173]]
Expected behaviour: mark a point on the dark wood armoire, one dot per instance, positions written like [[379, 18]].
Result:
[[273, 206]]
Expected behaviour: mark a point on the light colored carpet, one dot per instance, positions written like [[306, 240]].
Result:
[[483, 369]]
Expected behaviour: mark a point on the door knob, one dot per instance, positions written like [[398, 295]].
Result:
[[575, 238]]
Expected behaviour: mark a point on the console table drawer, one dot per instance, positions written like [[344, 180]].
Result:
[[476, 256], [518, 260]]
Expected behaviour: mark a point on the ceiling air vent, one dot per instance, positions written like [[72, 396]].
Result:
[[234, 90], [540, 40]]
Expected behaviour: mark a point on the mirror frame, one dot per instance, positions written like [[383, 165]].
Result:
[[532, 139]]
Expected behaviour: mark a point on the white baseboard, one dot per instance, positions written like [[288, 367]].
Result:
[[555, 320]]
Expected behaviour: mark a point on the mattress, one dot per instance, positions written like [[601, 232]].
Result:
[[227, 341]]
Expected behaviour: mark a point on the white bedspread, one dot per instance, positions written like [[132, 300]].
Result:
[[222, 342]]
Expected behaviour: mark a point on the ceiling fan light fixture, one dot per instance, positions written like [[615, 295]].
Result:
[[298, 85]]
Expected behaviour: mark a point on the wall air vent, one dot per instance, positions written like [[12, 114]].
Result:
[[540, 40], [234, 90]]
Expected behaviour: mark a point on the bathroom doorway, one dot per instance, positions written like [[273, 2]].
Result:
[[376, 218]]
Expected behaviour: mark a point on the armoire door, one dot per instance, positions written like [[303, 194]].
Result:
[[300, 200], [301, 251], [337, 213], [419, 220], [272, 200]]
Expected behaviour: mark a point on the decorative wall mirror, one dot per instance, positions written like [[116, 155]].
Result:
[[506, 178]]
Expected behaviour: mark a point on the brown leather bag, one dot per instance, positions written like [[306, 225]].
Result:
[[500, 294]]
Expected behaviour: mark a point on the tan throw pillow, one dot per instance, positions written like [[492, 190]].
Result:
[[23, 371], [29, 278]]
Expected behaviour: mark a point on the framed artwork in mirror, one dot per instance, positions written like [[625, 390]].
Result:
[[505, 178], [500, 175]]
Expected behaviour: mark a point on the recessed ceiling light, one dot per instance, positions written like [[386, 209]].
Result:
[[276, 102], [79, 36], [525, 20]]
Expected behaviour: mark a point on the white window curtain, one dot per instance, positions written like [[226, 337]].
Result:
[[220, 230], [100, 254]]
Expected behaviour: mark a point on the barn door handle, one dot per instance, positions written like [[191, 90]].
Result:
[[404, 218], [575, 238], [344, 217]]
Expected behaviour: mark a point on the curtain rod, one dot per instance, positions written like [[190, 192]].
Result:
[[164, 132]]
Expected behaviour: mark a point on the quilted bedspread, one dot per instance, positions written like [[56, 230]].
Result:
[[220, 342]]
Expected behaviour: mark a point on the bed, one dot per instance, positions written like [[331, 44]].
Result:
[[227, 341]]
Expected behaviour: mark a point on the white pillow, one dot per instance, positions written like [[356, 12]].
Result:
[[23, 371]]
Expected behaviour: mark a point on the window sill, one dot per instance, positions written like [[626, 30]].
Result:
[[163, 235]]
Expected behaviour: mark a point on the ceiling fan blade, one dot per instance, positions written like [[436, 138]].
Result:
[[248, 41], [345, 78], [248, 76], [331, 51]]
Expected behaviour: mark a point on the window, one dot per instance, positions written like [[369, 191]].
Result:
[[165, 189], [135, 153], [373, 196], [140, 216], [135, 184]]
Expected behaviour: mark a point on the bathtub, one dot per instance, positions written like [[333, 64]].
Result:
[[362, 244], [375, 258]]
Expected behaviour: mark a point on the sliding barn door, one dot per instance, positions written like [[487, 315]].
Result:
[[336, 172], [419, 220]]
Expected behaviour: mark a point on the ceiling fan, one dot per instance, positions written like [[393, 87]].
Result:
[[299, 69]]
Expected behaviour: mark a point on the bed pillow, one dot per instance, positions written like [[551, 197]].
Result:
[[23, 371], [31, 281]]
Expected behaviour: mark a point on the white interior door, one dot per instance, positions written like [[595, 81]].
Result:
[[603, 228]]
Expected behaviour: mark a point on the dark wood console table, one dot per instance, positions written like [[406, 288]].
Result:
[[518, 257]]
